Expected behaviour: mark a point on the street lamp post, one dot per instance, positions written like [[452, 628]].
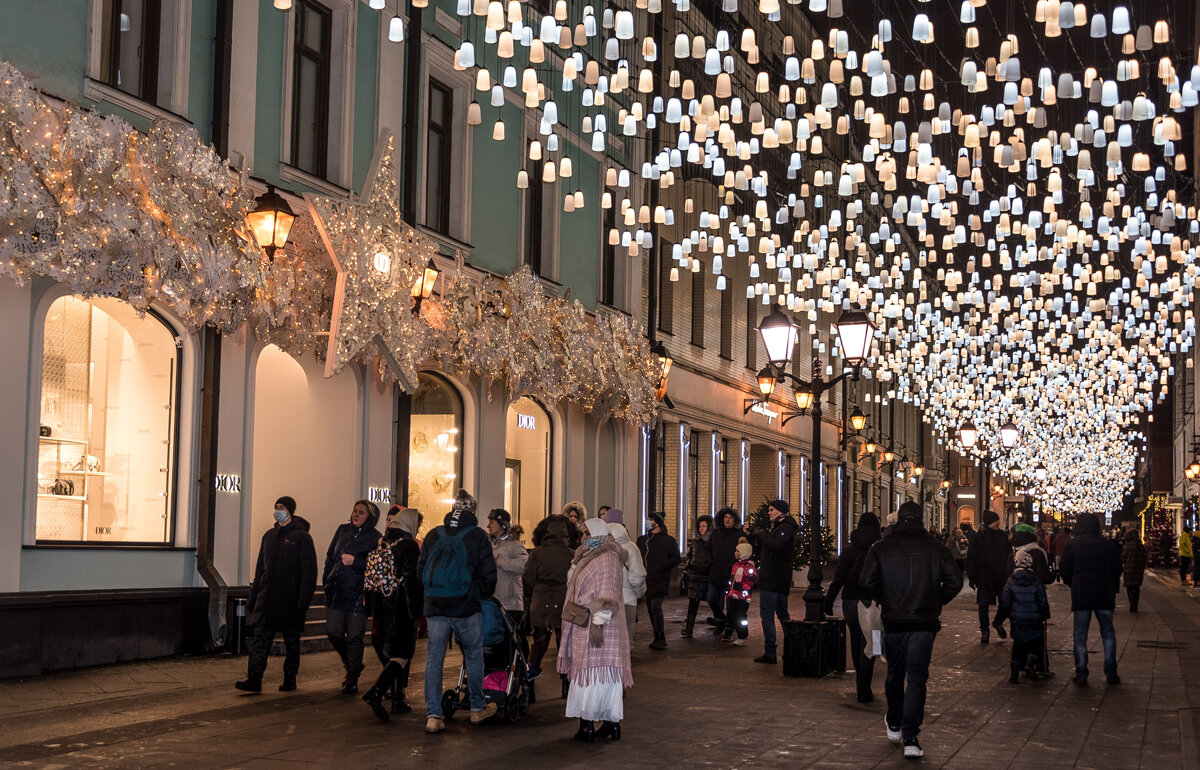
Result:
[[968, 434], [779, 333]]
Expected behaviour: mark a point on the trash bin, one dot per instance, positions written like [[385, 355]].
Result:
[[814, 649]]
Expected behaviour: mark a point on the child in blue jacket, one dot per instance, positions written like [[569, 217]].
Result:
[[1024, 603]]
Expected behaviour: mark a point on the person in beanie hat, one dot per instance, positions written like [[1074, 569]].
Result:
[[457, 576], [613, 516], [510, 564], [343, 578], [989, 562], [285, 578], [1023, 601], [776, 548], [912, 576], [846, 581], [660, 554], [737, 600]]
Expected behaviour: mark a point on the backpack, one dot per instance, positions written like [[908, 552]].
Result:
[[381, 571], [446, 574]]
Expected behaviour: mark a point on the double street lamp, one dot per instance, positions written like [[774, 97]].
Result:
[[1010, 434], [855, 332]]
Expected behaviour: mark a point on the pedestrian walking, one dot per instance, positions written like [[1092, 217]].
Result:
[[545, 586], [396, 605], [722, 544], [634, 585], [846, 582], [912, 576], [285, 578], [699, 562], [594, 652], [458, 571], [737, 599], [1024, 540], [776, 550], [1092, 568], [1133, 566], [660, 553], [989, 562], [959, 547], [345, 602], [1023, 603], [510, 558], [1185, 553]]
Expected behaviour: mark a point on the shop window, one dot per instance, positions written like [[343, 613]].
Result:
[[727, 323], [527, 463], [107, 426], [311, 67], [751, 334], [434, 443]]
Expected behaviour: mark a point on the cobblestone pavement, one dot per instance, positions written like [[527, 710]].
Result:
[[699, 704]]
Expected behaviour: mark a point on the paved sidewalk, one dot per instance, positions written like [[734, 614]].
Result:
[[699, 704]]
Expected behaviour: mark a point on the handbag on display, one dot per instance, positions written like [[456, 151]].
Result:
[[64, 487], [44, 431]]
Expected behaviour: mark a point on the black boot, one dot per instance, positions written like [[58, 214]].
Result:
[[1031, 665], [587, 731], [610, 731], [1015, 676], [249, 684], [350, 686], [399, 704], [289, 682], [374, 699], [532, 690], [566, 687]]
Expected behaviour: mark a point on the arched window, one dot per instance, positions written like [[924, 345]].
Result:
[[434, 448], [108, 427], [966, 513], [527, 463]]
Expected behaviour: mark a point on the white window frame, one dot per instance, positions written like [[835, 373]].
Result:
[[174, 52], [439, 66], [339, 164]]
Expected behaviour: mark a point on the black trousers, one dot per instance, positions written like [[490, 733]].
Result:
[[908, 656], [1134, 593], [1021, 652], [864, 665], [260, 648], [736, 611], [1185, 562], [654, 610], [541, 642], [985, 598]]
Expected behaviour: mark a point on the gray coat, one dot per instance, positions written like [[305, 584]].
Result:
[[510, 566]]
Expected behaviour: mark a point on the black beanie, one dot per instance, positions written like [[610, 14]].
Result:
[[288, 503], [660, 519], [990, 517], [781, 506]]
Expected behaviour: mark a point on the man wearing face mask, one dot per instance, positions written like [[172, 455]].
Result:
[[285, 579]]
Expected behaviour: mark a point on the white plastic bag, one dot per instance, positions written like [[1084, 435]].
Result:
[[870, 620]]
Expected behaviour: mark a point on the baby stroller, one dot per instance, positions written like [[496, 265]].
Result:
[[505, 671]]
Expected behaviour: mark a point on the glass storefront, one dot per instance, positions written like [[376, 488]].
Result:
[[107, 424], [434, 443], [527, 463]]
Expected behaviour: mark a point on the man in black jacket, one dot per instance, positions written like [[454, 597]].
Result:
[[911, 575], [776, 548], [285, 579], [1091, 566], [989, 563], [846, 580], [660, 552], [458, 571]]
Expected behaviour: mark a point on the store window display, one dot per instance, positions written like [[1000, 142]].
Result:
[[434, 443], [527, 462], [107, 424]]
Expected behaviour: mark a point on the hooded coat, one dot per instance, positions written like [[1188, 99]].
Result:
[[989, 560], [344, 583], [699, 559], [721, 546], [1027, 541], [776, 550], [634, 586], [285, 576], [660, 554], [854, 556], [1091, 566], [395, 615], [511, 558], [545, 578], [481, 563], [1133, 559], [1023, 601]]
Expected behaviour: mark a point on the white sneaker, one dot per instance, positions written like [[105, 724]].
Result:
[[893, 735], [739, 642], [913, 750]]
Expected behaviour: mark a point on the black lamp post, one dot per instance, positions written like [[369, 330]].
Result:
[[779, 334], [968, 434]]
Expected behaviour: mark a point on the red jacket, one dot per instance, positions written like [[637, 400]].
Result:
[[741, 580], [1059, 543]]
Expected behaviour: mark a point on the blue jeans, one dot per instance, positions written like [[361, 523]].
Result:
[[1108, 635], [469, 633], [908, 655], [771, 604]]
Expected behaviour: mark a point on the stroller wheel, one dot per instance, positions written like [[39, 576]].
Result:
[[449, 703], [523, 702], [512, 709]]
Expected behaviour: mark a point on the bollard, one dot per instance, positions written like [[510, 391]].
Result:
[[241, 627]]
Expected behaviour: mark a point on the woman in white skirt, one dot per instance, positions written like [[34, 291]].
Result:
[[594, 652]]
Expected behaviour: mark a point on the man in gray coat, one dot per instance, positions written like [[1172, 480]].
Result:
[[510, 564]]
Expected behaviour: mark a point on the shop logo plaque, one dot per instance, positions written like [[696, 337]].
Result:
[[228, 483], [526, 421]]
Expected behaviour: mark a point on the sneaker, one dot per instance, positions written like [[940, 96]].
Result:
[[658, 644], [912, 749], [893, 733], [435, 725], [1114, 679], [739, 642], [1079, 680], [249, 685], [488, 712], [534, 673], [686, 633], [765, 659], [289, 683]]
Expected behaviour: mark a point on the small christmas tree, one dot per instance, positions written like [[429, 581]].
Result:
[[1161, 543], [760, 520]]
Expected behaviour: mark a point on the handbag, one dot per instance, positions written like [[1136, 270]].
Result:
[[870, 620], [64, 487], [575, 614]]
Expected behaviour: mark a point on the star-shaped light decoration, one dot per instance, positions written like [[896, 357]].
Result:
[[378, 258]]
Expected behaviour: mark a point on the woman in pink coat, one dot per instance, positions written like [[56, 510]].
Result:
[[595, 654]]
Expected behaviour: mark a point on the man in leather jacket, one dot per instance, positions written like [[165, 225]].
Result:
[[911, 575]]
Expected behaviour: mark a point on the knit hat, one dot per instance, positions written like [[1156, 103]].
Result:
[[288, 503], [596, 528], [659, 519], [743, 550], [1023, 559], [781, 506], [463, 502], [910, 511], [990, 517], [501, 517], [1025, 528], [614, 516]]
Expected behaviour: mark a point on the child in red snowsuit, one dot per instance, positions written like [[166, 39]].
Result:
[[737, 602]]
